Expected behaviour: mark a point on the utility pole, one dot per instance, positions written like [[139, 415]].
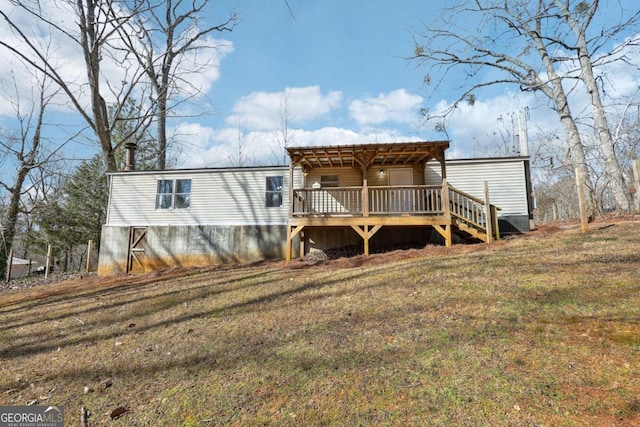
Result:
[[522, 133]]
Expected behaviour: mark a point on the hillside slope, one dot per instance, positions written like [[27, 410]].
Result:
[[539, 330]]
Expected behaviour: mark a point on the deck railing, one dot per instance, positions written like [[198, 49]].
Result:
[[467, 207], [327, 201], [384, 200], [409, 199], [472, 211], [395, 201]]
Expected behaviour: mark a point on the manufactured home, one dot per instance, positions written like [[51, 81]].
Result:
[[370, 195]]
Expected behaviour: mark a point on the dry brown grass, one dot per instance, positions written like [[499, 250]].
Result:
[[538, 330]]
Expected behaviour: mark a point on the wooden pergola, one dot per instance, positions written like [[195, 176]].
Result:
[[366, 156]]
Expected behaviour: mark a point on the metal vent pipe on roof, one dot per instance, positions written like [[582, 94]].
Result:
[[130, 157]]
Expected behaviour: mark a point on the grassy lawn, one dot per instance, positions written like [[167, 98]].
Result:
[[541, 330]]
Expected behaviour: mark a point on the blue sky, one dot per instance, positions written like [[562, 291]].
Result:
[[332, 57], [342, 67], [339, 67], [333, 44]]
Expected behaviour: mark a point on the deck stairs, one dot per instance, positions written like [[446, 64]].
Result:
[[469, 217]]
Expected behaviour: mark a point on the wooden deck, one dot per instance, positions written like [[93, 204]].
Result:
[[367, 209]]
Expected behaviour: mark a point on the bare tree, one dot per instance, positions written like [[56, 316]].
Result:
[[579, 19], [151, 47], [284, 135], [519, 43], [97, 22], [166, 36], [239, 157], [626, 136], [26, 152]]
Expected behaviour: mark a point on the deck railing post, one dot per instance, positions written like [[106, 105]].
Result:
[[446, 205], [445, 198], [488, 210], [365, 198], [496, 224], [291, 198]]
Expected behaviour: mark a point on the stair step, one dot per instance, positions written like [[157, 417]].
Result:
[[472, 231]]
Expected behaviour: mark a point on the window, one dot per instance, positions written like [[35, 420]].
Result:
[[164, 197], [173, 194], [328, 181], [183, 194], [274, 191]]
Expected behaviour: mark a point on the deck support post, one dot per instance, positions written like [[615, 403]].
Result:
[[366, 233], [291, 233], [446, 233], [448, 240], [366, 240], [287, 255]]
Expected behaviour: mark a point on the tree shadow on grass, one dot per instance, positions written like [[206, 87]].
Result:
[[39, 346]]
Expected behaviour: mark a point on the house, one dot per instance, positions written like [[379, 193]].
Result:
[[193, 217], [21, 268], [369, 195]]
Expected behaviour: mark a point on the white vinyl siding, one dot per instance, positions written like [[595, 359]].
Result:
[[218, 197], [506, 179]]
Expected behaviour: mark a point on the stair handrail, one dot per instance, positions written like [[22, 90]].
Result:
[[478, 223], [475, 199]]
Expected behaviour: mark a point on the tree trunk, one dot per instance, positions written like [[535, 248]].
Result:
[[576, 151], [612, 167], [555, 91], [91, 45], [162, 130], [163, 93], [10, 220]]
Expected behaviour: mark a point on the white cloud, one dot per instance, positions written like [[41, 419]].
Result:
[[339, 136], [488, 127], [266, 111], [205, 61], [223, 147], [201, 67], [396, 106]]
